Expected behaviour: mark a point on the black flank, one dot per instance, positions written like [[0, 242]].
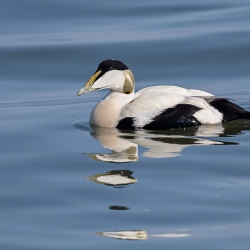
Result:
[[230, 110], [126, 123], [179, 116]]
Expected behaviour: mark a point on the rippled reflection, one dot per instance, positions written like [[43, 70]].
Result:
[[139, 235], [173, 235], [161, 144], [115, 178], [118, 207], [126, 235]]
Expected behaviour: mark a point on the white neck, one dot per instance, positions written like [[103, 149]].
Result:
[[106, 113]]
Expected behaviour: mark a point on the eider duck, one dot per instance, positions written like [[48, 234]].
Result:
[[156, 107]]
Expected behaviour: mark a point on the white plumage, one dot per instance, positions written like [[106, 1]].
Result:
[[157, 107]]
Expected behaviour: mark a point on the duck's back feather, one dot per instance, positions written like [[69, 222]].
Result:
[[160, 111], [173, 89], [145, 107], [179, 116], [167, 106]]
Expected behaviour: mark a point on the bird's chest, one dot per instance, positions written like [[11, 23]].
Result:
[[105, 114]]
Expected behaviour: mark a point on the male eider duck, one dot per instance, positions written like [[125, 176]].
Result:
[[157, 107]]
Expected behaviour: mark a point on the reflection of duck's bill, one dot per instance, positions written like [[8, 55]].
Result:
[[114, 178], [113, 158], [126, 235]]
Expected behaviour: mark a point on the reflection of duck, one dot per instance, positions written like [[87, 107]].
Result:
[[115, 178], [157, 107], [126, 235], [123, 150], [139, 235], [160, 144], [118, 207]]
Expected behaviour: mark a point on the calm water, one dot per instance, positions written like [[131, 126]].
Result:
[[65, 185]]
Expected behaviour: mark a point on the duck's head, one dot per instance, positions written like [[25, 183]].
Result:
[[110, 74]]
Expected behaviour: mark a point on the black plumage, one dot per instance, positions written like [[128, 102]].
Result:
[[179, 116], [229, 110]]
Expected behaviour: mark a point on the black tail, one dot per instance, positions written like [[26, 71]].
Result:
[[247, 115], [230, 110]]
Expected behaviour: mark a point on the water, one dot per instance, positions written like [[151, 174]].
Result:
[[65, 185]]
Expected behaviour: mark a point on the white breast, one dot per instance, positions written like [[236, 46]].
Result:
[[107, 112]]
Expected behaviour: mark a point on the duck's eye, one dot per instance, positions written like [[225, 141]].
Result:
[[110, 68]]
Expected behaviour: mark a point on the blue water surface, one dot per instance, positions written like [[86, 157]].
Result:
[[65, 185]]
